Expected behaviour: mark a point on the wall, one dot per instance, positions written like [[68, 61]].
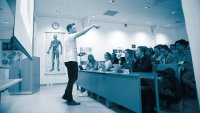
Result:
[[110, 36], [182, 33], [6, 34], [0, 53]]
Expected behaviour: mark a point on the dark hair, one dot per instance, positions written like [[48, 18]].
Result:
[[69, 26], [129, 51], [158, 47], [142, 49], [166, 47], [122, 59], [109, 55], [182, 42]]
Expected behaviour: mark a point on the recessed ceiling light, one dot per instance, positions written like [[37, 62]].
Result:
[[146, 7], [173, 12], [6, 22], [58, 12], [168, 25], [111, 1]]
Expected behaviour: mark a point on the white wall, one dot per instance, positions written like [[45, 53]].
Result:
[[0, 53], [182, 33], [6, 34], [166, 36], [110, 36]]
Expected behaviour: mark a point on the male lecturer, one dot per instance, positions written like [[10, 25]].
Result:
[[70, 59]]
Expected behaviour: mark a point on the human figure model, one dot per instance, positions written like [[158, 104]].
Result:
[[55, 43]]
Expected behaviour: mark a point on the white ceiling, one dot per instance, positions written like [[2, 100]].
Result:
[[129, 11], [6, 17]]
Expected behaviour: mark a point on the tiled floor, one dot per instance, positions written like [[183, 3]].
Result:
[[48, 100]]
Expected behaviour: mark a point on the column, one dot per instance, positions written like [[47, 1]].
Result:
[[191, 10]]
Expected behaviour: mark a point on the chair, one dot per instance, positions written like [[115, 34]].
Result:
[[177, 69]]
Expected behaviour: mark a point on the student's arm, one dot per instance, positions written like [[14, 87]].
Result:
[[82, 32]]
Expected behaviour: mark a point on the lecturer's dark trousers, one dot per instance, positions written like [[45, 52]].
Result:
[[72, 68]]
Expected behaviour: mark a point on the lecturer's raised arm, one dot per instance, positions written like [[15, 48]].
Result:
[[82, 32]]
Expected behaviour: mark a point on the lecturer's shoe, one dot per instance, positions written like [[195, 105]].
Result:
[[73, 103], [51, 70], [64, 97]]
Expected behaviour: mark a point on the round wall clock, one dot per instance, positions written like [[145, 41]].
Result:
[[55, 25]]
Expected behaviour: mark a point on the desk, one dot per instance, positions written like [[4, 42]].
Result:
[[4, 84], [123, 89]]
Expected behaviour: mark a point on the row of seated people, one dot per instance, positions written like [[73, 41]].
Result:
[[142, 59]]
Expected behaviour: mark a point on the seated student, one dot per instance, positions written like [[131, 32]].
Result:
[[172, 48], [166, 57], [155, 57], [92, 63], [114, 58], [184, 57], [143, 62], [121, 60], [129, 60], [108, 64], [148, 52]]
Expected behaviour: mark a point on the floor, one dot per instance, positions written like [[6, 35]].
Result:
[[48, 100]]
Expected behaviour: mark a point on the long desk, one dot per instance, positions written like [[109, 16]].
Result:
[[123, 89], [4, 84]]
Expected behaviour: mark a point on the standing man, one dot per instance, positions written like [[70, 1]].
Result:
[[55, 52], [70, 60]]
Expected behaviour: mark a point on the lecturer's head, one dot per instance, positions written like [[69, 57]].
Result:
[[70, 28], [55, 37]]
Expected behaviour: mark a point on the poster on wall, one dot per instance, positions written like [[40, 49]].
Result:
[[9, 57], [54, 58], [84, 58]]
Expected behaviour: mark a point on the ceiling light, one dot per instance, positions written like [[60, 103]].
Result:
[[93, 16], [168, 25], [6, 22], [58, 12], [173, 12], [146, 7], [111, 1]]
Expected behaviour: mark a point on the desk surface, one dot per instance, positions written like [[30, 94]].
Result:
[[4, 84], [147, 75]]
